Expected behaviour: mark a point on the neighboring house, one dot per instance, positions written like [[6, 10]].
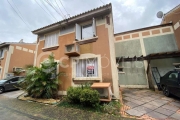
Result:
[[15, 56], [139, 52], [173, 16], [84, 47]]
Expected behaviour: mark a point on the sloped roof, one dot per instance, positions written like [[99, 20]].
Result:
[[178, 6], [9, 43], [108, 6]]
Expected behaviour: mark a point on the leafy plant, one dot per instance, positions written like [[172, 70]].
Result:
[[73, 94], [42, 82], [83, 94], [89, 97]]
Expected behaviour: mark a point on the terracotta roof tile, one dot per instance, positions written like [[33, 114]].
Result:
[[74, 16]]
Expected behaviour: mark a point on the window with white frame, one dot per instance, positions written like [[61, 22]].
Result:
[[86, 67], [51, 40], [86, 31], [1, 53]]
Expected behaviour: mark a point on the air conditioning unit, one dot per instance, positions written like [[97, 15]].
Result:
[[72, 49], [104, 90], [15, 69]]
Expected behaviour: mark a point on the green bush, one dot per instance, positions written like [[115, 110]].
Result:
[[89, 97], [83, 94], [73, 94]]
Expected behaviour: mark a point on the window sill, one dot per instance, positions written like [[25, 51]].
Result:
[[50, 48], [87, 78], [89, 40], [1, 58]]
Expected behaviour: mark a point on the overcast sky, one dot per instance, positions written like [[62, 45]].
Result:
[[127, 15]]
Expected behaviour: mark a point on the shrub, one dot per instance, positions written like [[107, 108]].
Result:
[[89, 97], [73, 94]]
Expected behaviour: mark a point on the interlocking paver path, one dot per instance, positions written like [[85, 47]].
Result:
[[147, 102]]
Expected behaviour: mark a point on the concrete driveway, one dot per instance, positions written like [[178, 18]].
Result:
[[12, 94], [144, 102]]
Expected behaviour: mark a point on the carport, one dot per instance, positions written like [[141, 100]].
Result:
[[157, 64]]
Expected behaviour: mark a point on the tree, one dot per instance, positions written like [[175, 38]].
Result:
[[42, 82]]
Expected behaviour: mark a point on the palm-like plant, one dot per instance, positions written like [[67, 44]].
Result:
[[42, 82]]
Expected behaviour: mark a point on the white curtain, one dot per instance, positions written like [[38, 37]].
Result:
[[51, 40], [81, 67]]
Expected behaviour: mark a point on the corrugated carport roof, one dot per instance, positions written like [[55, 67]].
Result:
[[173, 54]]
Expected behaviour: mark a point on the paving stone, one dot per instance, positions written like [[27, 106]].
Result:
[[156, 115], [135, 97], [134, 112], [167, 98], [128, 98], [138, 102], [131, 104], [158, 102], [155, 96], [145, 100], [165, 111], [149, 98], [142, 109], [170, 107], [150, 106], [127, 94], [176, 116], [177, 104]]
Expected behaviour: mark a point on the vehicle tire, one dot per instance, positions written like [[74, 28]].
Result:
[[166, 91], [1, 90]]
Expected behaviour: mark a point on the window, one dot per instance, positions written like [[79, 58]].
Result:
[[1, 53], [14, 80], [87, 67], [51, 40], [85, 31], [173, 76]]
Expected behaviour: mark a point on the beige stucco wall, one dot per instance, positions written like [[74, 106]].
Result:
[[17, 55], [100, 47]]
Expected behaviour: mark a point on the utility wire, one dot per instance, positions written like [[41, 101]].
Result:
[[59, 8], [54, 8], [102, 2], [64, 8], [45, 10], [19, 15]]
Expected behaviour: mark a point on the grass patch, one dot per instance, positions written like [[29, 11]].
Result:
[[79, 106], [112, 107]]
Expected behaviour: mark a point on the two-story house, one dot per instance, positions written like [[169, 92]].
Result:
[[15, 56], [84, 47], [173, 16]]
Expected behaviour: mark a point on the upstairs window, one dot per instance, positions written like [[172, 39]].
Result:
[[51, 40], [1, 53], [86, 31]]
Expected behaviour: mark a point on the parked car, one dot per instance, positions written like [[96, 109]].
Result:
[[170, 83], [10, 83]]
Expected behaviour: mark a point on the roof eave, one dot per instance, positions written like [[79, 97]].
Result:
[[76, 19]]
